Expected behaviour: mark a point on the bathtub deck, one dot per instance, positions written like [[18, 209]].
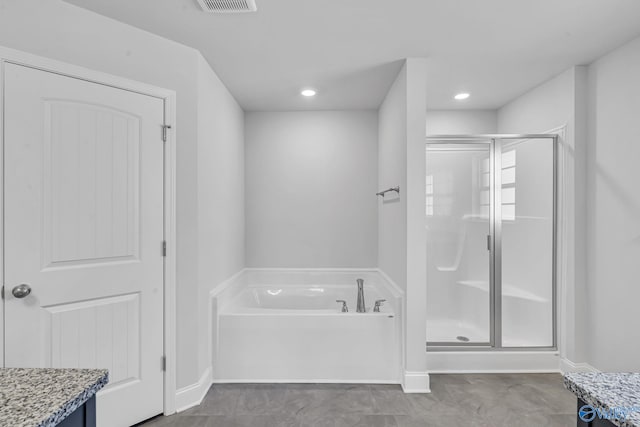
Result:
[[523, 400]]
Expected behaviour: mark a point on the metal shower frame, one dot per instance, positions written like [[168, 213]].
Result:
[[495, 142]]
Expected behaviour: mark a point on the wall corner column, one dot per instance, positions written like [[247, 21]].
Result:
[[416, 377]]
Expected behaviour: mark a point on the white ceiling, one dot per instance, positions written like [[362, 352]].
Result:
[[351, 50]]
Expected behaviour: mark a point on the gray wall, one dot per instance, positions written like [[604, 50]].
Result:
[[310, 189], [557, 103], [461, 122], [392, 171], [220, 194], [613, 211]]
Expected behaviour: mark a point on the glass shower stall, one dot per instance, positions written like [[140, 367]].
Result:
[[490, 208]]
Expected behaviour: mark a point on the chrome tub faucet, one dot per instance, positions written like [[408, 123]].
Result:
[[360, 302]]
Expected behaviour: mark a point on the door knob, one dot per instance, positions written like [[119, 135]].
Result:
[[21, 291]]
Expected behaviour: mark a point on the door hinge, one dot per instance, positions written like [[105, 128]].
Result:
[[164, 248], [164, 363], [164, 132], [488, 242], [2, 291]]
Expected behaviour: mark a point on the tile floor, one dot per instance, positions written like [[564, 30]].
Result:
[[496, 400]]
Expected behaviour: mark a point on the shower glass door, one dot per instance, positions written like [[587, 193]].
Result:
[[458, 213], [526, 231], [491, 233]]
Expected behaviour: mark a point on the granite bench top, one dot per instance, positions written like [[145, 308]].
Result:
[[44, 397], [609, 392]]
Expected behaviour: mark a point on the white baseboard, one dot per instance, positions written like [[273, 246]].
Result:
[[192, 395], [489, 362], [416, 382], [567, 365], [299, 381]]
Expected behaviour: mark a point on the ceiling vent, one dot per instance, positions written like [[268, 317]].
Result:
[[228, 6]]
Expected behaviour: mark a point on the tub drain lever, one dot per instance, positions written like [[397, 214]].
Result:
[[345, 309]]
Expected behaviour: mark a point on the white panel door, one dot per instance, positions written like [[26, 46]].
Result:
[[84, 230]]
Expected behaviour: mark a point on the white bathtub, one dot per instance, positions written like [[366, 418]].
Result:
[[301, 299], [285, 326]]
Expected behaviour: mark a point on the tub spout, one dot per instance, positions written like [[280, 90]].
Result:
[[360, 302]]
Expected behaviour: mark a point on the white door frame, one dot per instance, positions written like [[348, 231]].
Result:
[[169, 97]]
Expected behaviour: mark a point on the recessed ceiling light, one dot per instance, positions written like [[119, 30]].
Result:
[[308, 92], [461, 96]]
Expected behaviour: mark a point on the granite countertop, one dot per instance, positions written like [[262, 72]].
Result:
[[610, 392], [44, 397]]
